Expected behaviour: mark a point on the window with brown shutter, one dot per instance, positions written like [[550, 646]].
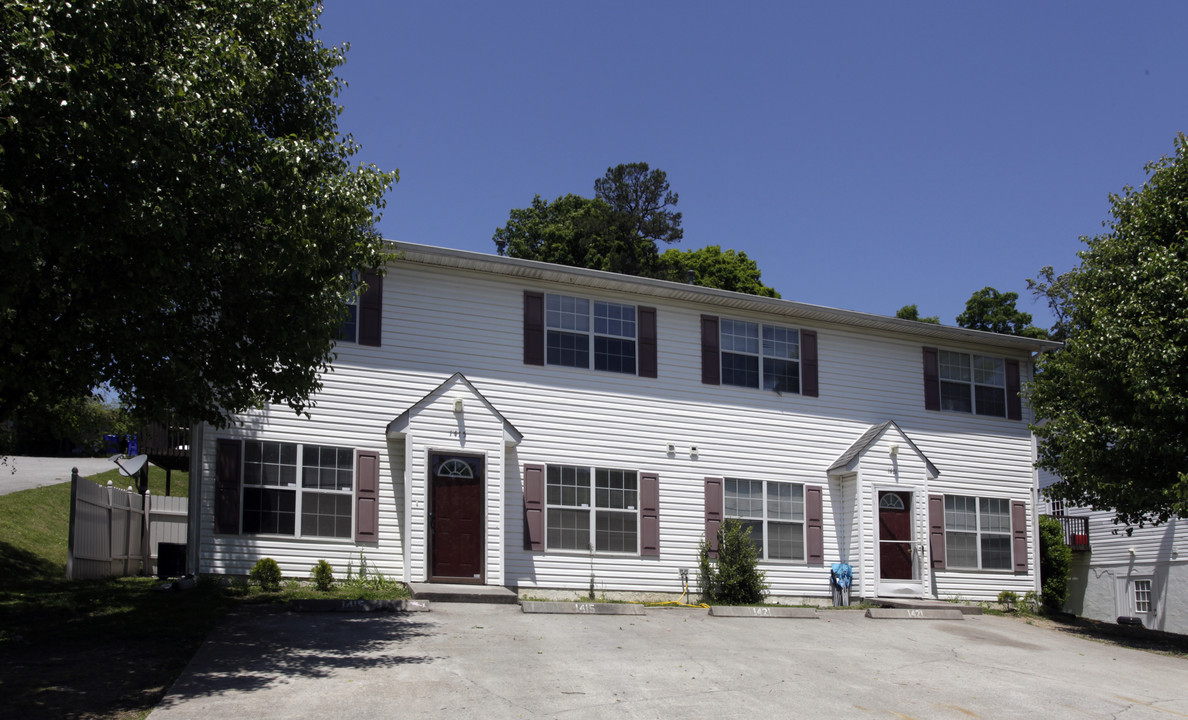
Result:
[[649, 514], [1019, 535], [228, 456], [713, 513], [534, 497], [371, 310], [366, 496], [936, 530], [814, 514]]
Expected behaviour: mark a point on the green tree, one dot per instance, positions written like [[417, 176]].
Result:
[[714, 267], [179, 212], [992, 311], [1114, 398], [734, 577], [1056, 290], [1055, 562], [911, 312]]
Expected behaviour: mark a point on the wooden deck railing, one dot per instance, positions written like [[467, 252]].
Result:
[[1076, 531]]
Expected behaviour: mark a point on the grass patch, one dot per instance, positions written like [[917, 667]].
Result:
[[179, 485]]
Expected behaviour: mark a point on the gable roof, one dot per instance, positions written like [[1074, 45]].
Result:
[[724, 299], [868, 438], [400, 423]]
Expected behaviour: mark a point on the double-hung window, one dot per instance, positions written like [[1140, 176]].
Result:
[[297, 490], [760, 356], [774, 512], [592, 509], [977, 532], [578, 328], [1140, 591], [972, 383]]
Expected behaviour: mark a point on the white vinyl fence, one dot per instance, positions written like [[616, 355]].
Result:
[[117, 532]]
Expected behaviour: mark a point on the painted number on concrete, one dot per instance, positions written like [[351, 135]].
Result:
[[915, 613], [583, 608], [762, 612]]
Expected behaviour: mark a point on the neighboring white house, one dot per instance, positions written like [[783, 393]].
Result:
[[516, 423], [1114, 575]]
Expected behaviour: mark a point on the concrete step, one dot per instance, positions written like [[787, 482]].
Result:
[[445, 593]]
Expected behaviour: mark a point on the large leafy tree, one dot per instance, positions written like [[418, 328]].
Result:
[[1114, 400], [911, 312], [714, 267], [179, 213], [992, 311]]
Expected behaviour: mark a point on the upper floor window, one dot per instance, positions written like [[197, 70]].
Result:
[[969, 383], [575, 325], [774, 512], [760, 356], [363, 320]]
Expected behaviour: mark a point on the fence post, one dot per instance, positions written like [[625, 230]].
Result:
[[70, 532], [146, 537], [110, 527]]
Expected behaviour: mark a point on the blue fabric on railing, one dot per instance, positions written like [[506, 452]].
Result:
[[841, 575]]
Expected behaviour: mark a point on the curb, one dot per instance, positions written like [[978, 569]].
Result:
[[579, 608], [359, 605]]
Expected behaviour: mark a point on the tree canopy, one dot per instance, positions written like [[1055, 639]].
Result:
[[992, 311], [619, 229], [1114, 400], [911, 312], [179, 211]]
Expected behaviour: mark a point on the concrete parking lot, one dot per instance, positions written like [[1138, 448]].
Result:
[[488, 661]]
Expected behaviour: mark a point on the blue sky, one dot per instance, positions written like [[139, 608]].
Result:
[[866, 154]]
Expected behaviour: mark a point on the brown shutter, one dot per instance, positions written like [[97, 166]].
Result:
[[808, 363], [711, 371], [931, 379], [936, 530], [647, 341], [1019, 534], [713, 513], [534, 497], [814, 516], [371, 310], [1014, 404], [367, 496], [649, 514], [227, 478], [534, 318]]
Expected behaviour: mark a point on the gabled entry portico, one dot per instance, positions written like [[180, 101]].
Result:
[[887, 477], [448, 452]]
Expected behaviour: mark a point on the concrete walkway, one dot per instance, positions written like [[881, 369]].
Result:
[[24, 473], [469, 660]]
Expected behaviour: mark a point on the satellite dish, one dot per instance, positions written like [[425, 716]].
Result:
[[129, 467]]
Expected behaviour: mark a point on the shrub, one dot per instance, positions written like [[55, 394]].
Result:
[[734, 578], [1008, 600], [323, 576], [1055, 562], [266, 574]]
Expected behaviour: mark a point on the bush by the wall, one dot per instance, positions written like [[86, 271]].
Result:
[[266, 574], [1055, 562], [323, 576], [734, 578]]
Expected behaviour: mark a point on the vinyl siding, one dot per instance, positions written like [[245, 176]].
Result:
[[441, 321]]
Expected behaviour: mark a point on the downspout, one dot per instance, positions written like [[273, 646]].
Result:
[[194, 501]]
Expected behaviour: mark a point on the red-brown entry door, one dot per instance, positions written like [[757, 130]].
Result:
[[456, 519], [895, 535]]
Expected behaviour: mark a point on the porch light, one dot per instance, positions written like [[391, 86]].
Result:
[[458, 405], [894, 449]]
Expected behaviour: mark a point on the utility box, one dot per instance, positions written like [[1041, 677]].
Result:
[[171, 559]]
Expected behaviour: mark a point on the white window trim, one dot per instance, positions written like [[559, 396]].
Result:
[[1132, 592], [764, 520], [972, 383], [978, 535], [299, 490], [722, 352], [593, 511], [591, 334]]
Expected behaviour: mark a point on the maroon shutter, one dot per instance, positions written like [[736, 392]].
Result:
[[367, 496], [534, 497], [808, 363], [936, 530], [371, 310], [647, 341], [649, 514], [814, 516], [931, 379], [1014, 404], [227, 478], [534, 317], [713, 513], [711, 372], [1019, 534]]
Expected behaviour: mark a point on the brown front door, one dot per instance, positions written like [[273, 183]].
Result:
[[456, 518], [895, 535]]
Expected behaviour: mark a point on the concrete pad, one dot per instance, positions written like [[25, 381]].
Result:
[[338, 605], [580, 608], [918, 603], [915, 614], [762, 612], [472, 593]]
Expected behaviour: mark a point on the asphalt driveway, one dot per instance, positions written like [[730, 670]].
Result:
[[491, 661], [19, 472]]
